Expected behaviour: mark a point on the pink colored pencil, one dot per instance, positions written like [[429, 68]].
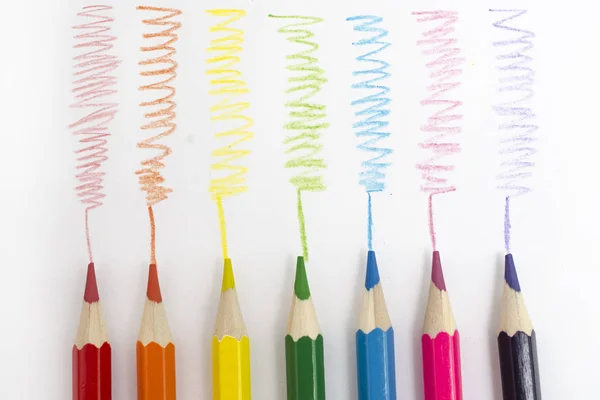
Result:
[[440, 342]]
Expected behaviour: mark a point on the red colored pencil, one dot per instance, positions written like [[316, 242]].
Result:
[[440, 342], [91, 352]]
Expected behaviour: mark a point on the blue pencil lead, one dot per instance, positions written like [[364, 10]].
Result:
[[372, 276]]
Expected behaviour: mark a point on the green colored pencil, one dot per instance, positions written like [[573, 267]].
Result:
[[305, 367]]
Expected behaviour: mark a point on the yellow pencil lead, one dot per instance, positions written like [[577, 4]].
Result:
[[228, 279]]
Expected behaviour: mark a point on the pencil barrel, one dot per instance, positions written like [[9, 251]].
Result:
[[376, 365], [305, 368], [156, 371], [92, 372], [231, 368], [519, 366], [441, 366]]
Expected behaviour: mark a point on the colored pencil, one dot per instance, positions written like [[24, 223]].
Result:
[[230, 345], [91, 352], [155, 348], [375, 359], [305, 367], [440, 342], [516, 342]]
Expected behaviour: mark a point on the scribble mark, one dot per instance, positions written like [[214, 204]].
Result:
[[160, 114], [227, 83], [440, 45], [152, 236], [507, 225], [373, 107], [369, 222], [93, 87], [515, 85], [306, 115]]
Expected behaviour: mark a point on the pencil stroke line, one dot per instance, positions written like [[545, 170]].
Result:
[[228, 86], [306, 116], [160, 111], [439, 44], [373, 107], [94, 89], [515, 82]]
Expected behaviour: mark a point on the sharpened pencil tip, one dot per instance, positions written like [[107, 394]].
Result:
[[510, 273], [153, 291], [372, 276], [301, 288], [91, 286], [437, 275], [228, 278]]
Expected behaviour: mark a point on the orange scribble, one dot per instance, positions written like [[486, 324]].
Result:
[[152, 236], [94, 85], [160, 114]]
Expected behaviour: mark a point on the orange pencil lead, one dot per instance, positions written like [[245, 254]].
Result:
[[153, 291]]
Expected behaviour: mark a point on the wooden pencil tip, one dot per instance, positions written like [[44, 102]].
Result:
[[301, 288], [510, 273], [372, 276], [153, 291], [437, 275], [228, 278], [91, 286]]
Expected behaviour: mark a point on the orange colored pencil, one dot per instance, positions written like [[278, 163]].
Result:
[[155, 348]]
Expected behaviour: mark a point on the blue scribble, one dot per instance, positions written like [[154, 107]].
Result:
[[373, 108], [370, 223], [516, 81]]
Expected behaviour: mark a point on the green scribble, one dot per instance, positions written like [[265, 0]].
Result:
[[302, 225], [307, 117]]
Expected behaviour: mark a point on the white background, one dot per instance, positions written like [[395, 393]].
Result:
[[43, 254]]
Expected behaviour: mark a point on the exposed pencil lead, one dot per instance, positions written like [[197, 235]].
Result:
[[91, 286], [228, 278], [153, 291], [510, 273], [301, 284], [372, 275], [437, 275]]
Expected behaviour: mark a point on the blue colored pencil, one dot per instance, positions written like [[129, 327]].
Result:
[[375, 358]]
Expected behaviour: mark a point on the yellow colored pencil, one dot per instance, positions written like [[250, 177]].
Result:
[[230, 345]]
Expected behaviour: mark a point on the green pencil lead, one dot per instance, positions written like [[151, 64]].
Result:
[[301, 284]]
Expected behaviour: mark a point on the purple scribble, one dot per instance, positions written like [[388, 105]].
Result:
[[515, 83], [507, 224]]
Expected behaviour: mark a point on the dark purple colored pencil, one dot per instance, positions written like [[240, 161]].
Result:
[[516, 342]]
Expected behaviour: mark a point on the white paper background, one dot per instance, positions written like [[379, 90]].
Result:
[[43, 252]]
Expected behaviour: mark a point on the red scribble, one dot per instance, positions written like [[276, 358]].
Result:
[[161, 109], [440, 45], [93, 85]]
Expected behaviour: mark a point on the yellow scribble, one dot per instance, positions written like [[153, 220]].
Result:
[[227, 83]]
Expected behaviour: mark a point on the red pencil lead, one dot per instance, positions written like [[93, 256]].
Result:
[[153, 291], [91, 286]]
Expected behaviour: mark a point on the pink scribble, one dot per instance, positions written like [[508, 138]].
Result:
[[439, 45], [93, 85]]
